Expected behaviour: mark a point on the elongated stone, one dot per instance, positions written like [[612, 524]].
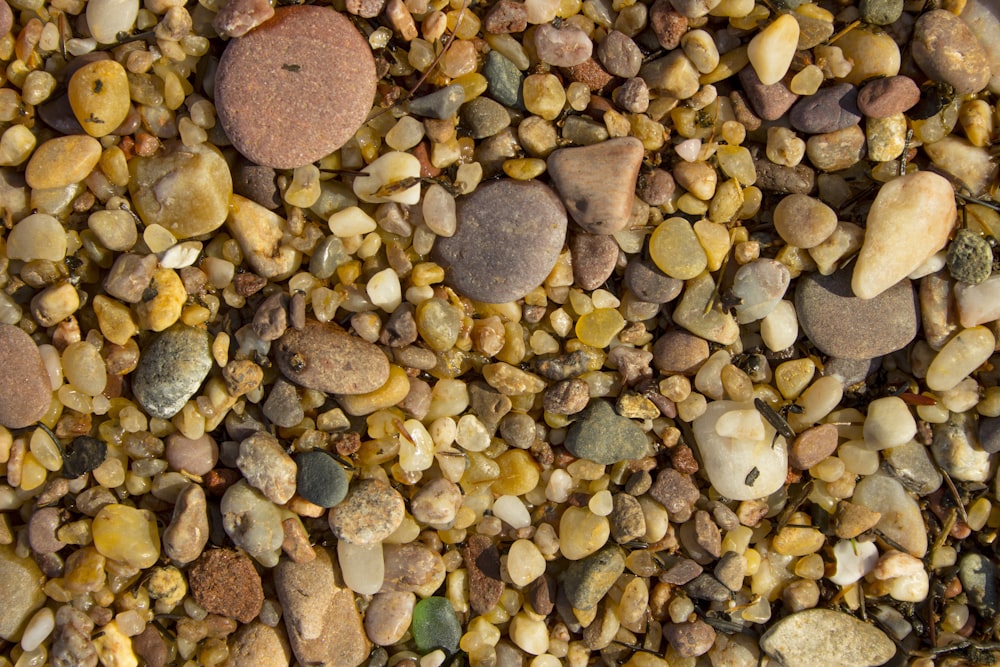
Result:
[[325, 357], [841, 639], [960, 356]]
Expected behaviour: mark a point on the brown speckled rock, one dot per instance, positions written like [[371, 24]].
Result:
[[296, 88], [25, 392], [225, 582], [327, 358]]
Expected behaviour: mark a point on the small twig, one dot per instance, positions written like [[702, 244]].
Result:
[[849, 27], [954, 494]]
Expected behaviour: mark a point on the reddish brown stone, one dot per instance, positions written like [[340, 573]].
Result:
[[591, 74], [482, 559], [668, 24], [506, 16], [225, 582], [220, 479]]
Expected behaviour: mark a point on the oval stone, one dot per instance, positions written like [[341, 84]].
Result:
[[99, 96], [320, 479], [186, 190], [172, 369], [842, 640], [945, 48], [62, 161], [508, 238], [296, 88], [326, 358], [25, 392]]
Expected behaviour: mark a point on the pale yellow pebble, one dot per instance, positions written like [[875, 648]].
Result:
[[62, 161], [544, 95], [675, 249], [16, 145], [714, 240], [959, 357], [599, 327], [127, 535], [772, 49], [581, 532], [165, 308], [55, 303], [99, 96], [392, 392], [524, 169]]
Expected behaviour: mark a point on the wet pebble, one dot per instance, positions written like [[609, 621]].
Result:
[[759, 285], [676, 492], [603, 436], [25, 391], [388, 617], [812, 446], [842, 325], [880, 12], [172, 369], [901, 520], [371, 511], [506, 16], [886, 97], [440, 104], [689, 639], [495, 256], [679, 352], [319, 77], [187, 534], [283, 407], [225, 582], [82, 455], [323, 356], [946, 49], [435, 625], [413, 568]]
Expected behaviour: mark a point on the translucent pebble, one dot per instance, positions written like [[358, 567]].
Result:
[[304, 189], [525, 562], [38, 236], [405, 134], [394, 177], [780, 327], [959, 357], [362, 565], [529, 634], [384, 290], [127, 535], [16, 145], [471, 434], [416, 452], [541, 11], [45, 450], [107, 18], [38, 629], [115, 230], [544, 95], [84, 368], [741, 424], [512, 511], [599, 327], [772, 49], [601, 503], [889, 423], [439, 211]]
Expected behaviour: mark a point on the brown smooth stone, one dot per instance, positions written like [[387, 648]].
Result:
[[297, 88], [327, 358], [25, 392]]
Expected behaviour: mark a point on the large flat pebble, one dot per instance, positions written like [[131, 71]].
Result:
[[324, 357], [25, 392], [841, 639]]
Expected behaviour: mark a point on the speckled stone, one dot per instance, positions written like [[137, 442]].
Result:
[[258, 645], [842, 325], [509, 236], [323, 356], [604, 436], [886, 97], [594, 259], [25, 392], [296, 88], [946, 50], [842, 640], [587, 580], [769, 102], [970, 258], [482, 559], [369, 513], [171, 369], [225, 582], [503, 80], [880, 12], [22, 592]]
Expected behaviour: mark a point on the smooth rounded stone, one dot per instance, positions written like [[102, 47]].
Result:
[[843, 325], [259, 645], [320, 478], [880, 12], [620, 55], [689, 639], [98, 93], [388, 616], [238, 17], [252, 522], [171, 370], [370, 513], [901, 520], [437, 502], [694, 314], [296, 88], [959, 357], [946, 50], [440, 104], [37, 236], [730, 462], [587, 581], [412, 567], [6, 18], [989, 434], [842, 640], [829, 110], [780, 328], [772, 49], [107, 18], [911, 464], [597, 183], [62, 161], [969, 164], [978, 304], [675, 249], [812, 446], [889, 423], [887, 97], [958, 451], [978, 574], [603, 436], [25, 391], [834, 151], [508, 239], [187, 534], [565, 46], [672, 75], [759, 285], [503, 80], [633, 95], [225, 582], [320, 613], [324, 357], [195, 456], [362, 566], [594, 259], [127, 535], [770, 102], [980, 16], [267, 467], [435, 625], [873, 52], [185, 189], [484, 118], [23, 594], [970, 258]]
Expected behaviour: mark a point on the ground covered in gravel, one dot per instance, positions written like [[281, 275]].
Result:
[[416, 333]]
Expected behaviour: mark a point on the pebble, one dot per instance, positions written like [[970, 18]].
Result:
[[267, 467], [238, 17], [437, 502], [759, 285], [989, 434], [370, 513], [911, 464], [603, 436], [596, 183], [440, 104], [172, 369], [565, 46], [25, 391], [979, 582], [730, 462], [889, 423], [320, 615], [503, 80], [324, 357], [594, 259], [130, 276], [675, 249], [107, 18], [495, 256], [959, 357], [225, 582], [252, 522], [483, 118], [187, 534], [388, 617], [853, 519], [127, 535], [587, 581], [829, 110], [845, 326], [874, 54], [195, 456], [689, 639], [771, 50], [693, 313], [770, 102], [283, 407], [413, 568], [619, 55], [23, 594], [676, 492], [62, 161], [887, 97], [842, 640], [668, 24], [678, 352], [320, 479], [958, 452], [6, 19], [506, 16], [981, 20], [812, 446], [82, 455], [319, 77], [435, 625], [259, 645], [482, 560], [970, 258], [880, 12], [901, 520], [946, 50], [99, 96]]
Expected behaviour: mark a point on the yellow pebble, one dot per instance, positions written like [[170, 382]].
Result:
[[127, 535], [99, 96], [599, 327], [32, 473], [62, 161], [519, 473], [389, 394], [675, 249], [524, 169]]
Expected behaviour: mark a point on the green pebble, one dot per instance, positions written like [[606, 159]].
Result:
[[435, 625], [970, 258]]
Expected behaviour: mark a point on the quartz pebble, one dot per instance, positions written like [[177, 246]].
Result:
[[99, 95], [840, 638], [771, 50], [562, 47], [258, 645], [494, 256], [959, 357], [22, 593], [252, 522], [107, 18], [186, 536], [127, 535], [25, 392], [889, 423], [900, 520], [267, 467], [759, 285], [306, 59]]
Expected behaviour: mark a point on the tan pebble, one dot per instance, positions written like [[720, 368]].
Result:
[[99, 96], [62, 161], [165, 308]]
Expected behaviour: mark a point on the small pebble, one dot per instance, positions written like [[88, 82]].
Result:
[[945, 48], [371, 511], [324, 357], [25, 392], [171, 370], [225, 582], [602, 436], [883, 98]]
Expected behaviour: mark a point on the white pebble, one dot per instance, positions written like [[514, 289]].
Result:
[[854, 560], [741, 424], [439, 211], [541, 11], [905, 575], [107, 18], [389, 179], [889, 423], [978, 304], [689, 149], [817, 402], [351, 221], [601, 503], [384, 290], [38, 629], [472, 435], [416, 453], [405, 134], [559, 486], [525, 562], [511, 510], [362, 565], [529, 634], [38, 236], [780, 327], [181, 255], [960, 356]]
